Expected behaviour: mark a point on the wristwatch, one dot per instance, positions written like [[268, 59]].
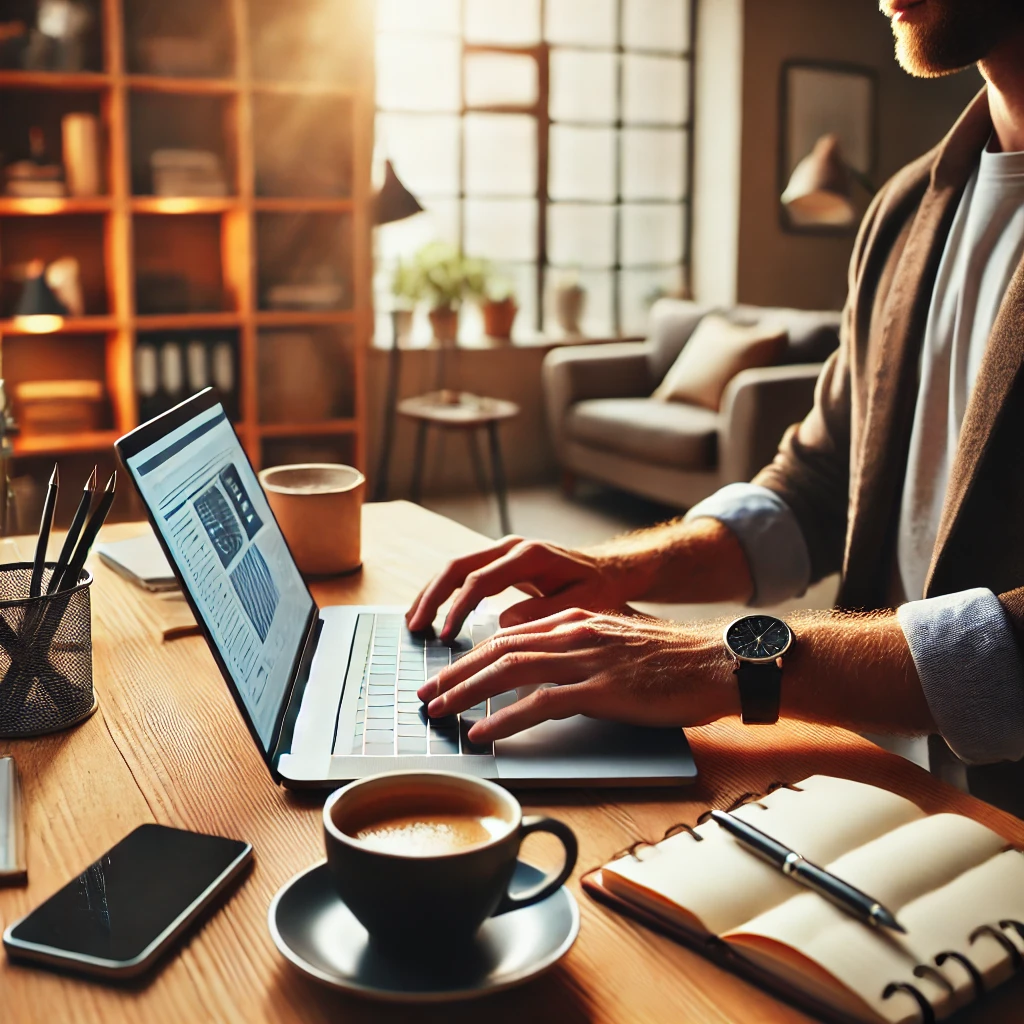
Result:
[[756, 644]]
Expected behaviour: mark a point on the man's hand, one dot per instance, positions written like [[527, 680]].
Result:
[[624, 668], [557, 577]]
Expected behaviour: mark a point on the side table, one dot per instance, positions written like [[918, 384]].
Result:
[[469, 414]]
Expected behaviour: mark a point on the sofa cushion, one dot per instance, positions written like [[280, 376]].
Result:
[[716, 352], [665, 433]]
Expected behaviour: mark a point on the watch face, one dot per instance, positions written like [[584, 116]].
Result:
[[758, 637]]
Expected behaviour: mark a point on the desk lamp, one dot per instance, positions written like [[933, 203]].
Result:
[[820, 189]]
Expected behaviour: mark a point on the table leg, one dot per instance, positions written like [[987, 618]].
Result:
[[478, 462], [418, 460], [499, 477]]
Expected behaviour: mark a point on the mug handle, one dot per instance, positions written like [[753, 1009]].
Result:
[[552, 883]]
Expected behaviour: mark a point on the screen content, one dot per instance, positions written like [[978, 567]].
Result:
[[122, 903], [215, 520]]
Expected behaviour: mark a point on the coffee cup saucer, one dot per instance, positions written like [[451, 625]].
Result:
[[313, 929]]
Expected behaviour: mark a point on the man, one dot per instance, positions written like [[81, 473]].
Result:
[[907, 476]]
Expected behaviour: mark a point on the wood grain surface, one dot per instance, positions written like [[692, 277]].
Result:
[[168, 745]]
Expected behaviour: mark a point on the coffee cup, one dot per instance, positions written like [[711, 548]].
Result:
[[423, 858], [318, 506]]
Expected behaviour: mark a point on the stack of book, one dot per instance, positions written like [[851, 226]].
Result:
[[187, 172]]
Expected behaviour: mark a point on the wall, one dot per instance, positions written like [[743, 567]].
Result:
[[777, 268]]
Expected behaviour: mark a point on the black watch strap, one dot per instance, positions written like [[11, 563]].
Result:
[[760, 691]]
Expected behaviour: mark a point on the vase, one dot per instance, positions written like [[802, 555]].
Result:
[[569, 302], [499, 318]]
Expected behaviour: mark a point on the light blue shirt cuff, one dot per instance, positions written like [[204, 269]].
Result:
[[770, 536], [971, 673]]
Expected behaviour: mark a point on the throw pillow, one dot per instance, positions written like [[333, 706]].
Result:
[[716, 351]]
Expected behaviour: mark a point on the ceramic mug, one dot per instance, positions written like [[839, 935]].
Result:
[[412, 903], [318, 506]]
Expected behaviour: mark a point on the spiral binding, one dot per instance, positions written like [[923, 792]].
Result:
[[679, 827], [996, 932]]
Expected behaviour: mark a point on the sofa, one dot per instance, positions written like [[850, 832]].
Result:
[[605, 426]]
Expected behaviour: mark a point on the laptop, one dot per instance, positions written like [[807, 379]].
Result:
[[329, 694]]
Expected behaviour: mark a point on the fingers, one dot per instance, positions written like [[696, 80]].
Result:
[[540, 607], [556, 702], [434, 594]]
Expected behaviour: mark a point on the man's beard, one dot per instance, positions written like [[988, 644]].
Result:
[[956, 34]]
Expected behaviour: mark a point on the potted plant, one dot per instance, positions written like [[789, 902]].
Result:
[[499, 310], [570, 298], [407, 287], [449, 277]]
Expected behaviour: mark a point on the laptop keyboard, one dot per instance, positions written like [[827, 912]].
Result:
[[390, 718]]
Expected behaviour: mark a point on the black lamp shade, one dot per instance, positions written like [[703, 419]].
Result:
[[394, 201]]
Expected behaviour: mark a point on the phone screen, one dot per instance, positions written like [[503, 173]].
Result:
[[121, 904]]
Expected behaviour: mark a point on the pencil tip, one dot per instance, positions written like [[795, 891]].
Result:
[[90, 484], [111, 483], [54, 476]]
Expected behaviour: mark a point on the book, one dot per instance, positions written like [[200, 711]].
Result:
[[140, 560], [956, 886]]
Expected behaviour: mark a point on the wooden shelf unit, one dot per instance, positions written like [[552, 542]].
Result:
[[141, 240]]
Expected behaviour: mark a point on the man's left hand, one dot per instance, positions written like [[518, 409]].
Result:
[[626, 668]]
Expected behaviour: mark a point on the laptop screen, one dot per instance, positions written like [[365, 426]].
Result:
[[211, 512]]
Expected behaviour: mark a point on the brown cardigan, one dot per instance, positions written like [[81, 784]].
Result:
[[841, 470]]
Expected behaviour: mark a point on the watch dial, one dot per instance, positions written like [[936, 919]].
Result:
[[758, 636]]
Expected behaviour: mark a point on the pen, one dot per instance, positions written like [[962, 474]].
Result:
[[74, 532], [35, 585], [825, 884], [92, 528]]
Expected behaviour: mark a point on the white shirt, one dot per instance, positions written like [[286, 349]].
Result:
[[983, 249]]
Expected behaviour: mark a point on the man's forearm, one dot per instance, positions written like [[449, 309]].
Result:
[[854, 671], [687, 562]]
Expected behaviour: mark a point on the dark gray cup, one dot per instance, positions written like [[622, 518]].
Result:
[[416, 904]]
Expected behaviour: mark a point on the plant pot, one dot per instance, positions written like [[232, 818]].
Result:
[[569, 302], [445, 321], [401, 320], [499, 318]]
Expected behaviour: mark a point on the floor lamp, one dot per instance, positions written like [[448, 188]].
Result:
[[394, 202]]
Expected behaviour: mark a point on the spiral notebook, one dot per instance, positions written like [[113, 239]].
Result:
[[956, 886]]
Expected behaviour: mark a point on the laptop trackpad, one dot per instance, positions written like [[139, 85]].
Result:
[[582, 748]]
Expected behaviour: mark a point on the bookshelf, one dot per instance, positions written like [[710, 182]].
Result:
[[278, 267]]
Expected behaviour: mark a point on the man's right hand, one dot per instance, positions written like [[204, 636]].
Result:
[[556, 577]]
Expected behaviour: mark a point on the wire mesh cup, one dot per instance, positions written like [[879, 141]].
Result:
[[45, 654]]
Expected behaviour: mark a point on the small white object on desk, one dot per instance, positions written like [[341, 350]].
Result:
[[13, 869], [140, 560]]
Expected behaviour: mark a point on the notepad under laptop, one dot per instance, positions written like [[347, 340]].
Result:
[[139, 560], [955, 885]]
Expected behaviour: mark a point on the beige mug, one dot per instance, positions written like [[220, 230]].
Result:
[[318, 506]]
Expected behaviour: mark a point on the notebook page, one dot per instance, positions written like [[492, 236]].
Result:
[[716, 885], [942, 876]]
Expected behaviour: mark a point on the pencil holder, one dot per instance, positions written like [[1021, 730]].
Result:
[[45, 654]]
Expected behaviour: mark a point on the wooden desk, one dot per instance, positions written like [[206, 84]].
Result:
[[167, 745]]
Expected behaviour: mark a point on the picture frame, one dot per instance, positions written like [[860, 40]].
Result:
[[817, 98]]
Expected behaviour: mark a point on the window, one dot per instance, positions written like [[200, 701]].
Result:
[[551, 137]]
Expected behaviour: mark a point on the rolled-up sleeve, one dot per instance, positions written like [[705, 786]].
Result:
[[768, 532], [970, 668]]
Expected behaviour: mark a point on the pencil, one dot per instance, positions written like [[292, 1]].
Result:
[[35, 585], [74, 532], [85, 542]]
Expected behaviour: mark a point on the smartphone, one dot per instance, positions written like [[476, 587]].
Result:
[[122, 913]]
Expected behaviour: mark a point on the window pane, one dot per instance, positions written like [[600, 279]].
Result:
[[582, 163], [639, 290], [581, 22], [403, 238], [596, 321], [433, 16], [496, 78], [418, 73], [501, 154], [424, 149], [656, 25], [653, 164], [654, 90], [501, 229], [651, 234], [583, 86], [581, 236], [509, 22]]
